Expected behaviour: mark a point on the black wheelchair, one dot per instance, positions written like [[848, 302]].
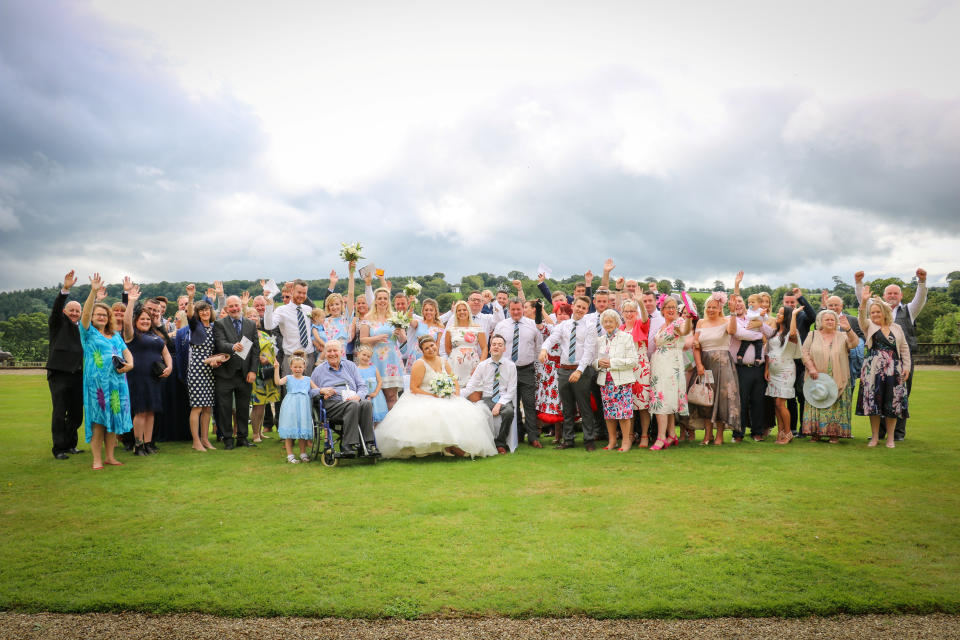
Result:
[[328, 439]]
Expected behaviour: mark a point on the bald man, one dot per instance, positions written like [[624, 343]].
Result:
[[233, 379], [905, 315], [65, 371]]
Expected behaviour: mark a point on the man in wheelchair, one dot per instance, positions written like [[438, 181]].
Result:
[[343, 392]]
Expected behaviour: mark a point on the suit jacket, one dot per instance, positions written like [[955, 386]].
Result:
[[66, 351], [224, 337]]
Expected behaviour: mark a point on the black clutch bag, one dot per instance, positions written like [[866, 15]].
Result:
[[266, 372], [118, 363], [157, 369]]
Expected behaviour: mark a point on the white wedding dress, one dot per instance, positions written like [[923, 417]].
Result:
[[420, 425]]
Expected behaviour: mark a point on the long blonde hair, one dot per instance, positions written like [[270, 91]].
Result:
[[372, 313], [456, 306]]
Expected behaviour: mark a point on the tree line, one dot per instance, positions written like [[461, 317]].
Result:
[[24, 313]]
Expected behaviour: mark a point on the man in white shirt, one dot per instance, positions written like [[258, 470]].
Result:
[[905, 315], [523, 345], [293, 321], [575, 373], [494, 382]]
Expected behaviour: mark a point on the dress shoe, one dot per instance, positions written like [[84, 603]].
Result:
[[75, 451], [536, 444], [589, 446], [564, 445], [501, 450], [372, 450], [152, 448], [229, 444], [347, 452], [243, 442], [61, 456], [140, 451]]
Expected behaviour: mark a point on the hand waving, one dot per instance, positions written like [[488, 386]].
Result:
[[69, 280]]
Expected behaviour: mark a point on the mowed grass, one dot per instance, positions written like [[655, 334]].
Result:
[[750, 529]]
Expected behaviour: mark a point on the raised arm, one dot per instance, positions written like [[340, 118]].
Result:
[[736, 283], [608, 266], [919, 297], [191, 292], [87, 312], [133, 294], [351, 289]]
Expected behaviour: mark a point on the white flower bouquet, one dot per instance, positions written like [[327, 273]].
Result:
[[443, 385], [412, 288], [351, 252], [399, 319]]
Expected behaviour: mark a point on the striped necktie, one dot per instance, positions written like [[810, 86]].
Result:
[[573, 342], [599, 328], [515, 353], [302, 325], [496, 382]]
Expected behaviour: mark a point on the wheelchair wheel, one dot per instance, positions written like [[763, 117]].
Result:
[[328, 459]]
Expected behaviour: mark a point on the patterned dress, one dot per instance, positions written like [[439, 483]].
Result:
[[106, 399], [882, 389], [199, 374], [296, 418], [548, 393], [641, 388], [465, 351], [715, 357], [783, 371], [834, 421], [338, 328], [379, 401], [386, 355], [667, 379], [413, 342], [265, 390]]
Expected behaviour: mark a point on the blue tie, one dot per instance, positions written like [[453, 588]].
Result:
[[238, 324], [496, 382], [302, 326], [573, 342]]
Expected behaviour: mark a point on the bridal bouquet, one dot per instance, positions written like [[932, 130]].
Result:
[[412, 288], [399, 319], [443, 385], [351, 252]]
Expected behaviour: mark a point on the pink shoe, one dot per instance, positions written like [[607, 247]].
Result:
[[673, 440], [659, 444]]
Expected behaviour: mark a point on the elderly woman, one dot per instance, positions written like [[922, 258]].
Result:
[[827, 350], [886, 368], [667, 379], [377, 332], [712, 351], [616, 360], [106, 399], [636, 322]]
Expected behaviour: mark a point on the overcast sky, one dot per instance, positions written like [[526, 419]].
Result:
[[192, 140]]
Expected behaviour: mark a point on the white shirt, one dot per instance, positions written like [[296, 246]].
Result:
[[749, 357], [482, 379], [285, 317], [913, 307], [594, 319], [586, 346], [530, 340], [485, 321]]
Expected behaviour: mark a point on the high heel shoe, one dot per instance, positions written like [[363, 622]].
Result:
[[673, 440], [659, 445]]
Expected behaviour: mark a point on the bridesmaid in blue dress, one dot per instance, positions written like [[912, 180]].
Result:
[[372, 376], [295, 421], [106, 400], [385, 340]]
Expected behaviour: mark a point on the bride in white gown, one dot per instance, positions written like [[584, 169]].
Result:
[[421, 423]]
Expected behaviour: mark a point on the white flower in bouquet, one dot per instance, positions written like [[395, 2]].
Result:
[[412, 288], [351, 252], [443, 385], [399, 319]]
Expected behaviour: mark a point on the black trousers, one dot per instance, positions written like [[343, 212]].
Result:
[[577, 394], [356, 418], [795, 405], [752, 410], [526, 396], [900, 430], [230, 391], [506, 420], [66, 394]]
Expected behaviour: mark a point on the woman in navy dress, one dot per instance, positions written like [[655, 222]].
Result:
[[151, 363]]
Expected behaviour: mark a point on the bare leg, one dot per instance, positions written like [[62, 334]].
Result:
[[111, 443], [195, 413], [96, 445], [644, 427], [611, 434], [256, 421], [891, 425], [391, 397], [148, 426], [288, 445], [874, 431], [719, 439], [138, 429], [626, 428], [671, 429], [707, 432], [784, 435]]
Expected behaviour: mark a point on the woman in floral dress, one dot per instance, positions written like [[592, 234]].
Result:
[[883, 378], [827, 350], [668, 394], [428, 325], [466, 343], [265, 390], [712, 352], [385, 339]]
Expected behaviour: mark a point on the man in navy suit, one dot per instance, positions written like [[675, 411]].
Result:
[[65, 371], [233, 379]]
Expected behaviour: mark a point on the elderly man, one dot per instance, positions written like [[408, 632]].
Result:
[[293, 321], [65, 371], [233, 378], [524, 340], [905, 315], [344, 395], [575, 373], [493, 383]]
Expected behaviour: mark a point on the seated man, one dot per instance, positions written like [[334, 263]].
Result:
[[494, 383], [344, 395]]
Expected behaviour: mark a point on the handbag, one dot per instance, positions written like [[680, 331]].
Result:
[[118, 363], [157, 369], [700, 392], [266, 371]]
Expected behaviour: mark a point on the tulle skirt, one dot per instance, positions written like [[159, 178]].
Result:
[[420, 425]]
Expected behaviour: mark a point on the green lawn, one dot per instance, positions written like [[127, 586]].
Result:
[[750, 529]]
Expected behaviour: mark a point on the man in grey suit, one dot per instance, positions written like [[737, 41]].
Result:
[[233, 379]]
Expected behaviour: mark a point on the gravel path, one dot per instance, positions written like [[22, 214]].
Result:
[[134, 626]]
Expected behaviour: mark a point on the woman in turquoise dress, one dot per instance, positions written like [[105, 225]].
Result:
[[385, 340], [369, 372], [106, 399]]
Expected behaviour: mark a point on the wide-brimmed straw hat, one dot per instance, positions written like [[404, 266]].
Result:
[[822, 392]]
